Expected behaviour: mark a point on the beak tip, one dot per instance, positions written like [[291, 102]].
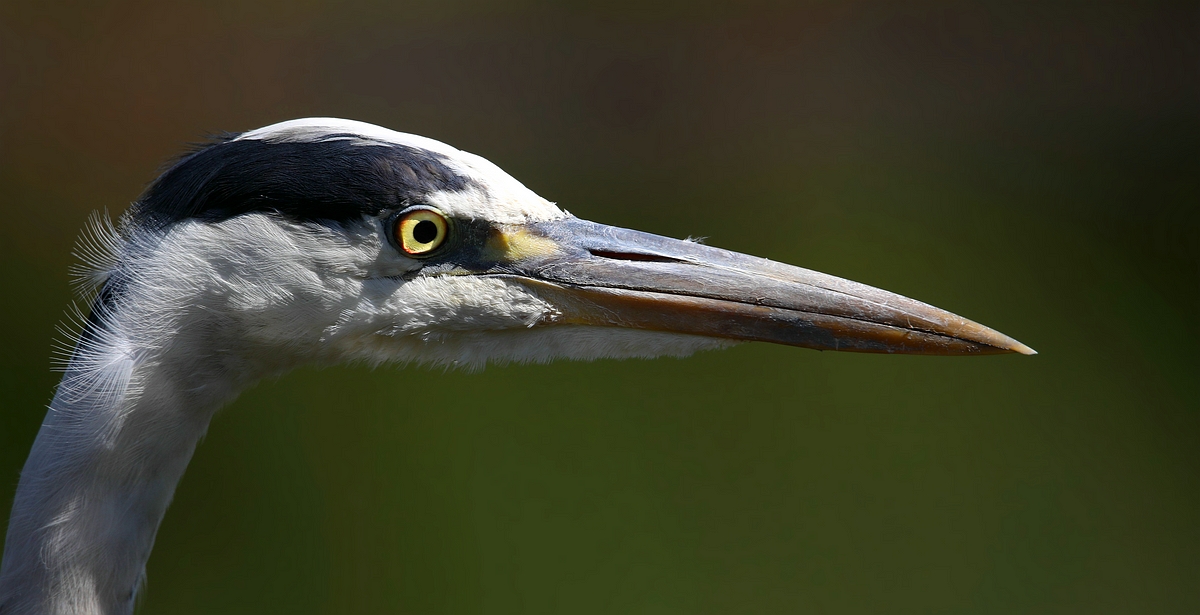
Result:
[[997, 341], [1023, 349]]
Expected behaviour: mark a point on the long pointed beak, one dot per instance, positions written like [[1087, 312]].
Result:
[[607, 276]]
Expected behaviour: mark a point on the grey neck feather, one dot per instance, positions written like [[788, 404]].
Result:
[[192, 317], [116, 440]]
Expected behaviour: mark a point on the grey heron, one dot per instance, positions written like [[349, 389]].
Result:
[[325, 241]]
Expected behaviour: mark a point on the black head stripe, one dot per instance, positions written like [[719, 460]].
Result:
[[337, 178]]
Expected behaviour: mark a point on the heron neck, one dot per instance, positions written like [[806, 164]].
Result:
[[119, 433]]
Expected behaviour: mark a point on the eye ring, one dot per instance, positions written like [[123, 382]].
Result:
[[418, 231]]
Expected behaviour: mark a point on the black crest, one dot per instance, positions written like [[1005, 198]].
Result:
[[338, 177]]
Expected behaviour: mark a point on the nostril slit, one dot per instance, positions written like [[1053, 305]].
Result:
[[634, 256]]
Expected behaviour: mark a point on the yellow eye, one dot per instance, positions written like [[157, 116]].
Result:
[[420, 231]]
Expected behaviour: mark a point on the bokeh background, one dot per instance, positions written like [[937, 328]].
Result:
[[1033, 166]]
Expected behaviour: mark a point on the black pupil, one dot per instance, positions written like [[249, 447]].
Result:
[[425, 231]]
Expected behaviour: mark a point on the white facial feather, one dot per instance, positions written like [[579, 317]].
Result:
[[96, 252], [276, 293]]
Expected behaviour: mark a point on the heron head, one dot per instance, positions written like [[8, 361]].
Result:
[[325, 239]]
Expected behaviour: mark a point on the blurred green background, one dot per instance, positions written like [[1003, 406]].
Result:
[[1032, 167]]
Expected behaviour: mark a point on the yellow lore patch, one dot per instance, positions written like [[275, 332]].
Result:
[[517, 244]]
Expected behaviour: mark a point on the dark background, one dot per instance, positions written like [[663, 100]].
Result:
[[1032, 166]]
